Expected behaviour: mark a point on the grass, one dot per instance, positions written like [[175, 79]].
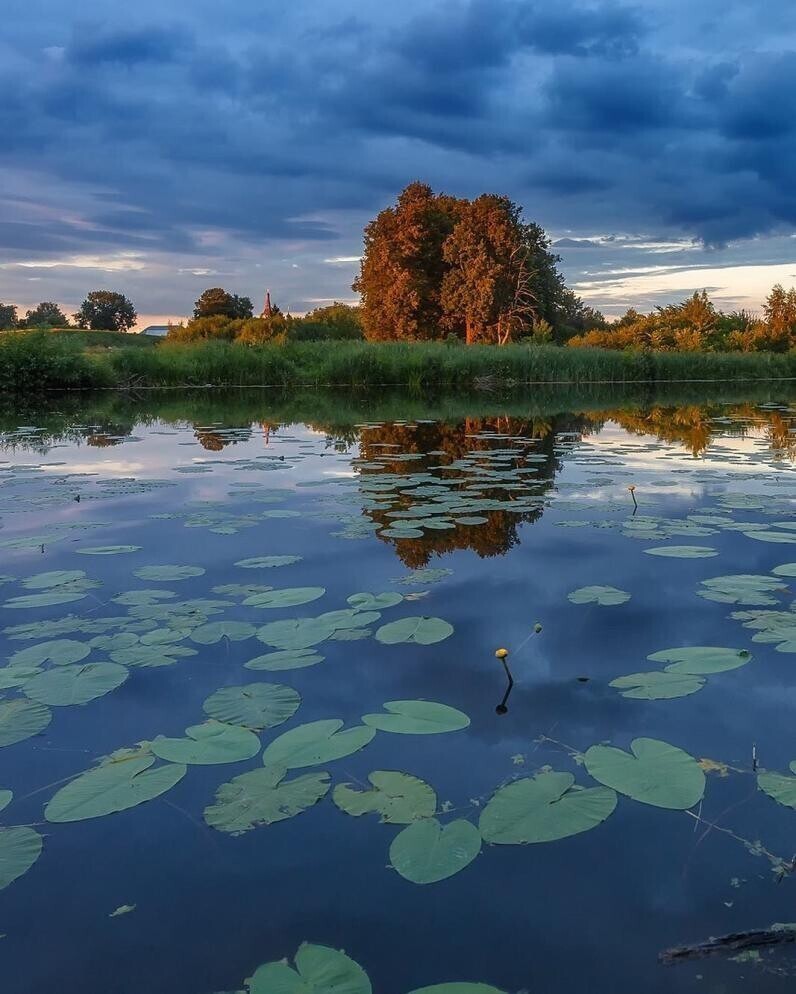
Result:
[[62, 360]]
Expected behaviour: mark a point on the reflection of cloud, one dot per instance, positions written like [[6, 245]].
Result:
[[103, 466]]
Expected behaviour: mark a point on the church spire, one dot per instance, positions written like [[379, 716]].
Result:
[[267, 305]]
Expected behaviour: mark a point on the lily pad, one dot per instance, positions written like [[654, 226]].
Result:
[[316, 742], [294, 633], [786, 569], [374, 602], [744, 588], [108, 550], [318, 970], [263, 797], [215, 631], [458, 988], [424, 631], [267, 562], [120, 782], [543, 808], [208, 744], [656, 686], [255, 705], [604, 596], [683, 551], [287, 659], [654, 772], [60, 652], [417, 718], [22, 719], [426, 852], [6, 796], [19, 850], [76, 684], [168, 573], [782, 788], [698, 660], [287, 597], [398, 798]]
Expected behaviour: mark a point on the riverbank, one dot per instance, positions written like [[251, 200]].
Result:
[[40, 361]]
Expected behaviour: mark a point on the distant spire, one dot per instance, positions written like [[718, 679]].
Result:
[[267, 305]]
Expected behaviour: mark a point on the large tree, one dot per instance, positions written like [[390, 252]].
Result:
[[400, 277], [216, 300], [8, 316], [106, 310], [46, 313]]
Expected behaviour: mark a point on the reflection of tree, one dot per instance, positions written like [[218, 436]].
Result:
[[101, 441], [451, 442]]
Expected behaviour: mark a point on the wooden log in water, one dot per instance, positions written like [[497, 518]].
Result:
[[731, 943]]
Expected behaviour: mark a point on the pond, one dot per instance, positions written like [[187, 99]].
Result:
[[253, 709]]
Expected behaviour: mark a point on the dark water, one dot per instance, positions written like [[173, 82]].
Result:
[[189, 481]]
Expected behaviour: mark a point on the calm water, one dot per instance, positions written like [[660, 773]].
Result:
[[484, 514]]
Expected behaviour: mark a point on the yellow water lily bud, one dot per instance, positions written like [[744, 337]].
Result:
[[501, 653], [537, 627]]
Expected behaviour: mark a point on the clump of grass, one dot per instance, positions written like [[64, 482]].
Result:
[[38, 360]]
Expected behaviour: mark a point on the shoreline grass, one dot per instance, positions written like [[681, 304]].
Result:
[[37, 361]]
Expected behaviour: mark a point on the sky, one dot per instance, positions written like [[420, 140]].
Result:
[[158, 149]]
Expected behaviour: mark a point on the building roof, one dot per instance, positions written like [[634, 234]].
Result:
[[158, 330]]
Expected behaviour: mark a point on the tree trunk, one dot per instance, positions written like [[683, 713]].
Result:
[[469, 332]]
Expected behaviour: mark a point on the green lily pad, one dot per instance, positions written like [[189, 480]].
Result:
[[782, 788], [215, 631], [656, 686], [771, 536], [262, 797], [287, 659], [288, 597], [108, 550], [6, 796], [683, 551], [744, 588], [457, 988], [208, 744], [698, 660], [120, 782], [656, 773], [19, 850], [424, 631], [48, 598], [267, 562], [60, 652], [294, 633], [426, 852], [316, 742], [15, 675], [76, 684], [53, 579], [168, 573], [417, 718], [543, 808], [255, 705], [786, 569], [318, 970], [151, 656], [604, 596], [398, 798], [374, 602], [22, 719]]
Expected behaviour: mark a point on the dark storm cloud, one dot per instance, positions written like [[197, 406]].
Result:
[[289, 126]]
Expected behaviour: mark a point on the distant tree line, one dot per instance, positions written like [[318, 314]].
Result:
[[697, 325], [102, 310]]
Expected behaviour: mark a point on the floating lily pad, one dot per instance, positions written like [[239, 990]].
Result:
[[22, 719], [16, 675], [53, 579], [458, 988], [151, 656], [398, 798], [262, 797], [255, 705], [108, 550], [698, 660], [541, 809], [60, 652], [782, 788], [288, 597], [417, 718], [287, 659], [783, 538], [424, 631], [374, 602], [294, 633], [426, 852], [168, 573], [208, 744], [215, 631], [654, 772], [318, 970], [656, 686], [604, 596], [121, 781], [76, 684], [267, 562], [316, 742], [786, 569], [683, 551], [19, 850], [744, 588], [6, 796]]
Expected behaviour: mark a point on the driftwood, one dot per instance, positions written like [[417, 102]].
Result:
[[734, 942]]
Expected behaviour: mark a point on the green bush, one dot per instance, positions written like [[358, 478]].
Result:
[[39, 360]]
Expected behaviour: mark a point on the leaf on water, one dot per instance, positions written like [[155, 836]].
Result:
[[22, 719], [318, 970], [604, 596], [398, 798], [543, 808], [786, 569], [208, 744], [262, 797], [6, 796], [287, 597], [76, 684], [267, 562], [426, 852], [123, 909], [316, 742], [771, 536], [374, 602], [657, 686], [287, 659], [53, 579], [294, 633], [122, 781], [417, 718], [782, 788], [743, 588], [698, 660], [19, 850], [683, 551], [424, 631], [15, 676], [108, 550], [215, 631], [150, 656], [60, 652], [654, 772], [255, 705], [168, 573]]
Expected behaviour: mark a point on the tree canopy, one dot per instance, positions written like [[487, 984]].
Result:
[[106, 310], [47, 314], [218, 301], [8, 316]]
